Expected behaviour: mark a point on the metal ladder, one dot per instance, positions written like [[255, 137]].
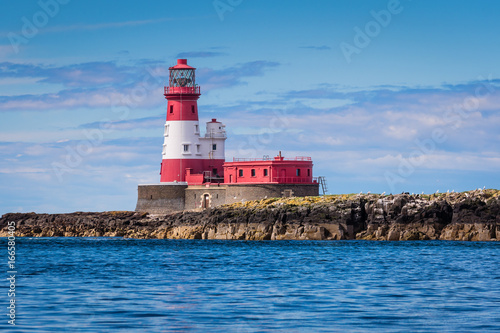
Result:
[[322, 182]]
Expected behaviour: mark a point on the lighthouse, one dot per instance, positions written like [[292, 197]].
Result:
[[194, 174], [185, 153]]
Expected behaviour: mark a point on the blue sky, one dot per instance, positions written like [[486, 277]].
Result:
[[386, 96]]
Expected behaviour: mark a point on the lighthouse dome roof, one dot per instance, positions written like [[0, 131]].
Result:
[[181, 64]]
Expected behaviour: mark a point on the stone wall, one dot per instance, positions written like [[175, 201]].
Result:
[[239, 193], [160, 198], [195, 196]]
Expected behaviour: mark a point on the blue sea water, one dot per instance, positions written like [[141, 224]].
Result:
[[126, 285]]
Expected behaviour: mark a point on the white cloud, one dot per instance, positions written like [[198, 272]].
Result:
[[400, 132]]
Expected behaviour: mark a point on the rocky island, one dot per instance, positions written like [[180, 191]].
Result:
[[465, 216]]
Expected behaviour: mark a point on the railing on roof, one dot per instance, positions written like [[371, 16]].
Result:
[[181, 90], [298, 158], [295, 180]]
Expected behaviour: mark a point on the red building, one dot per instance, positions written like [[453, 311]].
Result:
[[278, 170]]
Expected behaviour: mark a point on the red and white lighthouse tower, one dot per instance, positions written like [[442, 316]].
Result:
[[184, 151]]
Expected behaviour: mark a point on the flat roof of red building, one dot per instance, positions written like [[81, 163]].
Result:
[[299, 160]]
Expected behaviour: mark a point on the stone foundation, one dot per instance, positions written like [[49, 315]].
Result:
[[167, 198], [204, 197], [242, 193], [160, 198]]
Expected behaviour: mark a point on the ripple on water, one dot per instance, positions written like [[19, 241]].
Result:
[[113, 284]]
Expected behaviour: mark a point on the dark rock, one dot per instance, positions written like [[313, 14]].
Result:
[[474, 215]]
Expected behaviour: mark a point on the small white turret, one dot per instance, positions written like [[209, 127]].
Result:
[[213, 144]]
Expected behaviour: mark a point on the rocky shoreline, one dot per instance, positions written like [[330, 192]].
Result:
[[466, 216]]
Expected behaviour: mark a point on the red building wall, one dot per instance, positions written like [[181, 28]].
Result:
[[279, 170]]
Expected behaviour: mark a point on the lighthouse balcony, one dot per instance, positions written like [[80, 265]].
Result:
[[181, 90], [215, 135]]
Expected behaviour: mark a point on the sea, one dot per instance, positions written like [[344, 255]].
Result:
[[131, 285]]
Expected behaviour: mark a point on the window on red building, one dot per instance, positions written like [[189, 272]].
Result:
[[171, 109], [298, 173], [308, 172], [240, 174], [265, 172], [253, 173]]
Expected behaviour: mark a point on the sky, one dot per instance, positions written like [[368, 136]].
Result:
[[385, 96]]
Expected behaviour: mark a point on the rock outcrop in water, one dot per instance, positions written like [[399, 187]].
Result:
[[468, 216]]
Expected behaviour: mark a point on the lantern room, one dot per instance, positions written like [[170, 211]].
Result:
[[182, 79]]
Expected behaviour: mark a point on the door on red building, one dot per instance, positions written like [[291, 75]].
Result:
[[282, 175]]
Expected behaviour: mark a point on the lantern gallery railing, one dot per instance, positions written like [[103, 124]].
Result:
[[181, 90]]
